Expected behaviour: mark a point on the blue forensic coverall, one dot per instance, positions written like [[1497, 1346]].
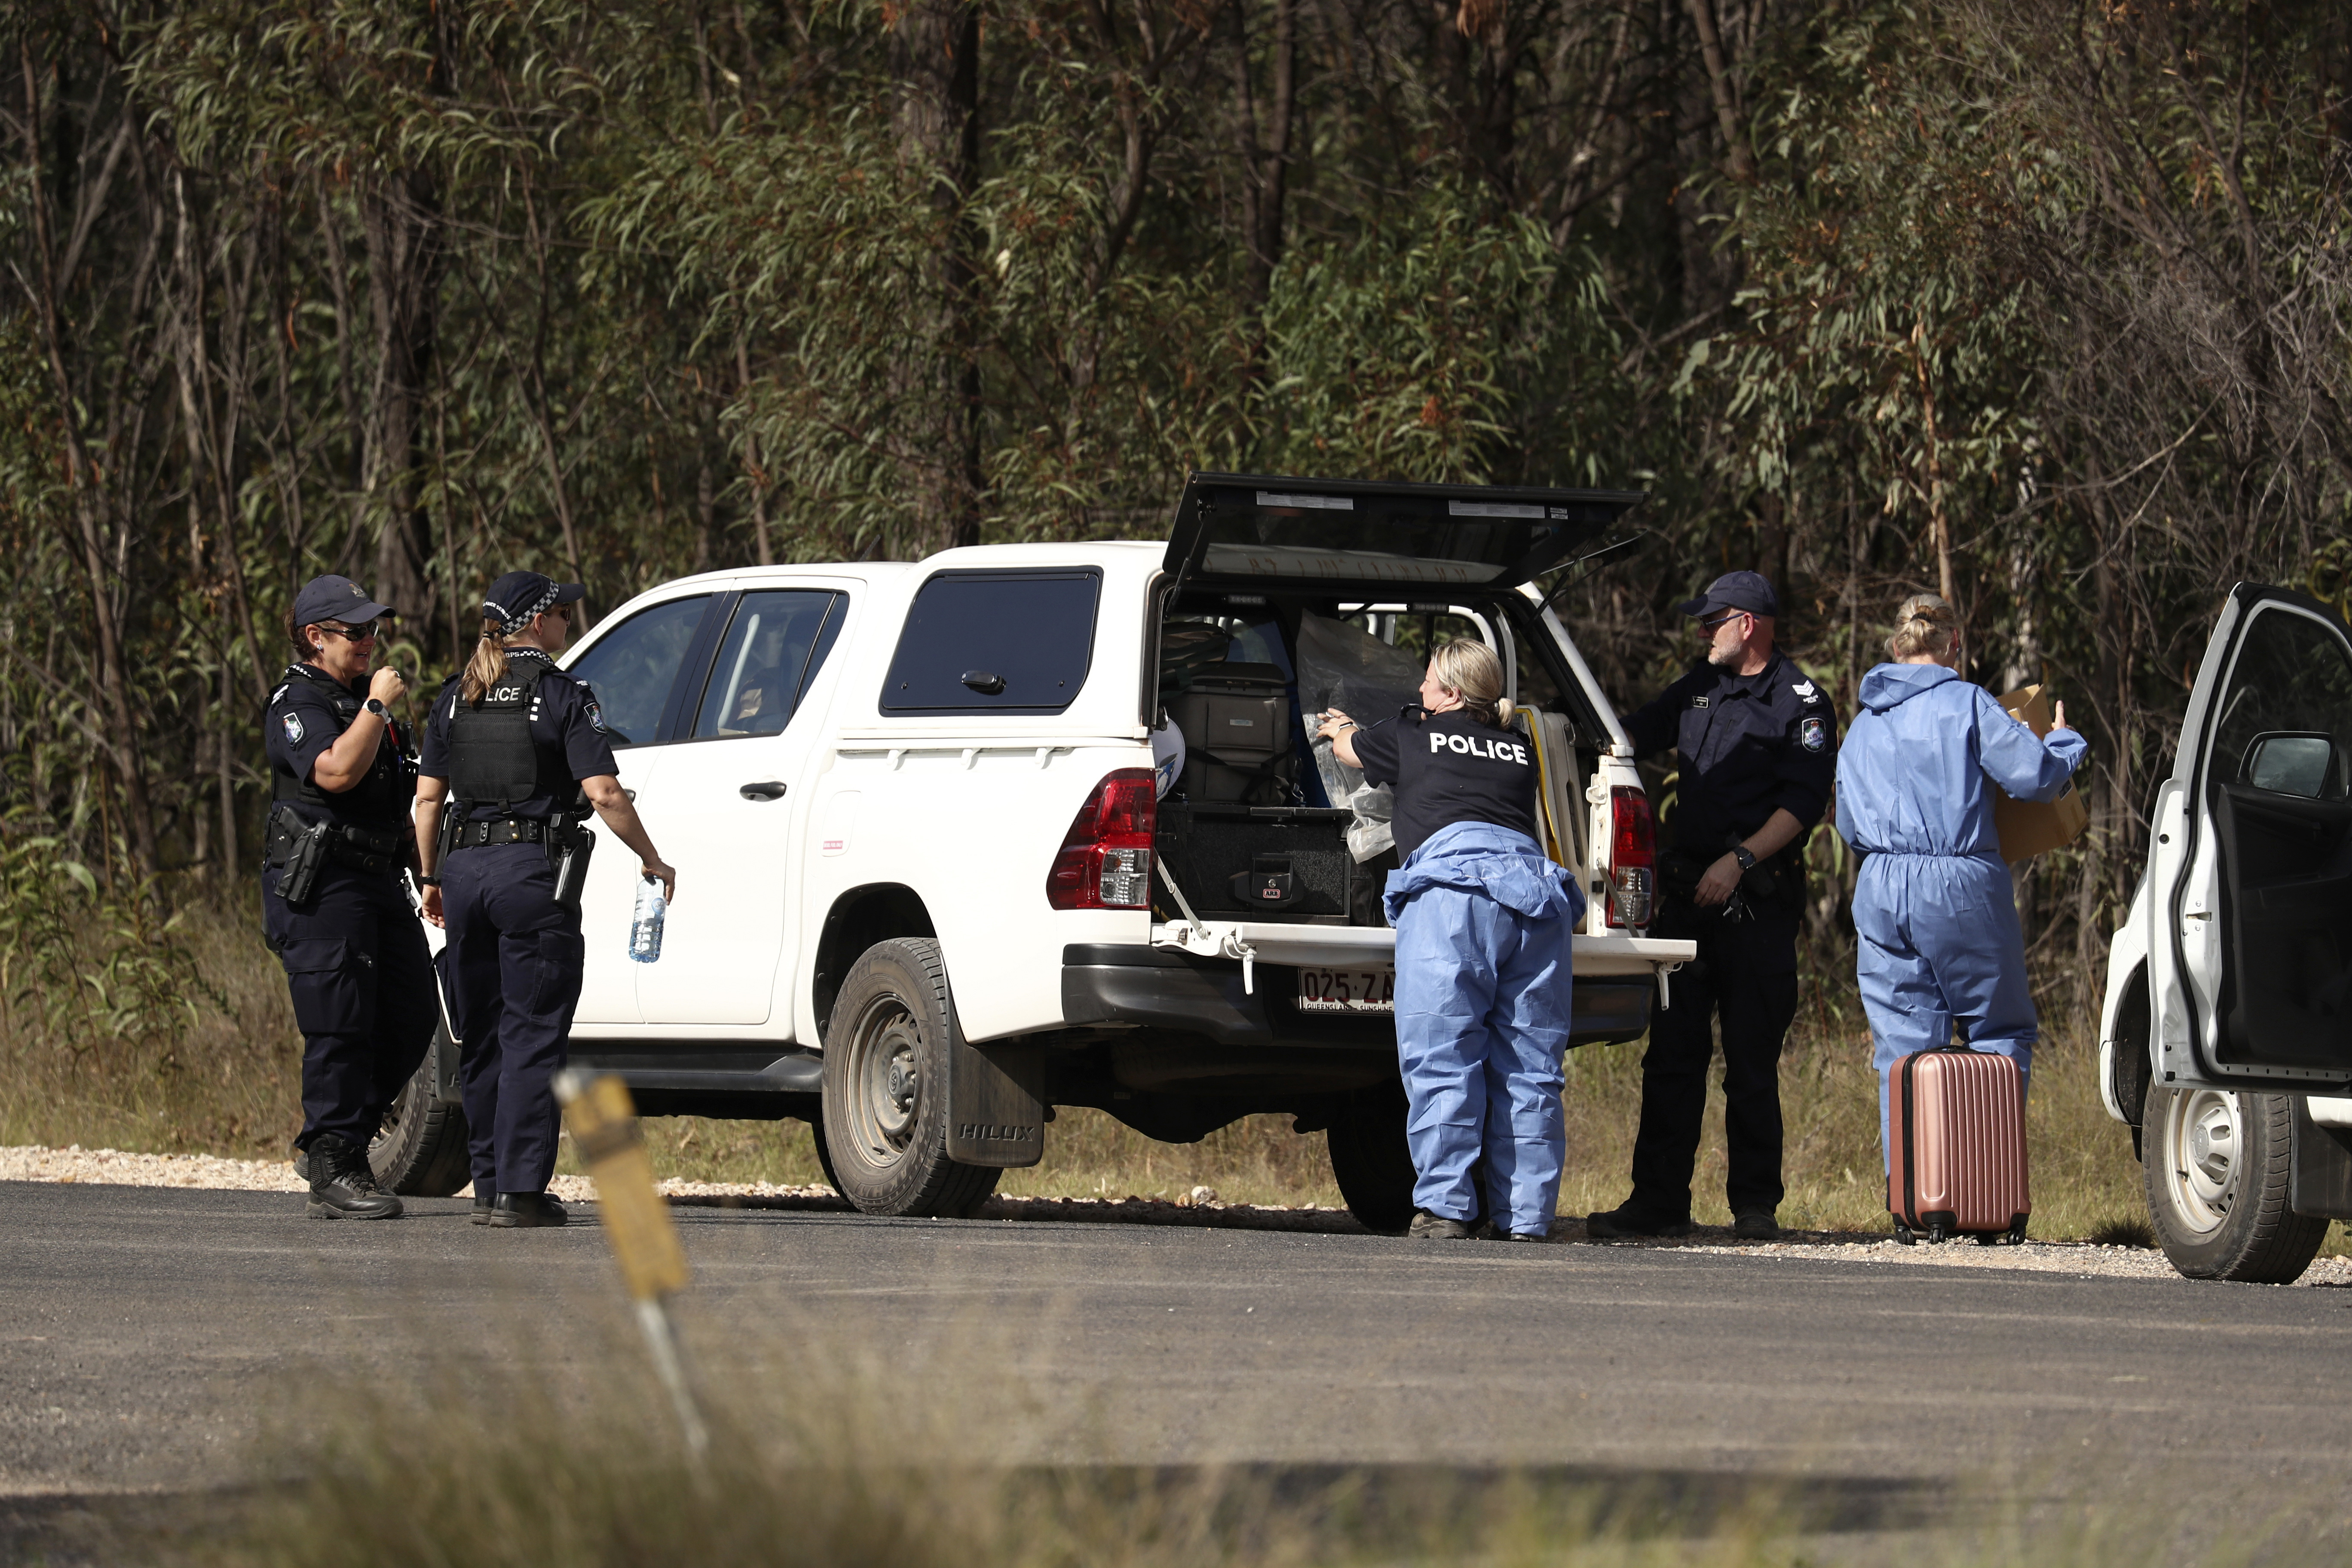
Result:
[[1484, 923], [1934, 912]]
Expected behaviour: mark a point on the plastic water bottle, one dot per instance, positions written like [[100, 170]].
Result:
[[645, 931]]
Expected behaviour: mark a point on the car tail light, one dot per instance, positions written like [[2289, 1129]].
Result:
[[1632, 856], [1106, 858]]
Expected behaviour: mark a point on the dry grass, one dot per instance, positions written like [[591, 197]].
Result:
[[819, 1460], [231, 1087], [230, 1084]]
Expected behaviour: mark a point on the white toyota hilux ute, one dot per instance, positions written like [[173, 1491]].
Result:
[[933, 882], [2226, 1037]]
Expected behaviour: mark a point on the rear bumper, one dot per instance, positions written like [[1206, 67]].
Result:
[[1352, 946], [1166, 989]]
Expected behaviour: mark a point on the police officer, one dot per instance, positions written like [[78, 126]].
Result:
[[1759, 754], [332, 901], [1485, 927], [513, 747]]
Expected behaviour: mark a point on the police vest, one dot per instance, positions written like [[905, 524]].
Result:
[[382, 796], [492, 758]]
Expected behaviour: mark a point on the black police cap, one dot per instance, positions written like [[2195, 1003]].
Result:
[[1749, 591], [335, 599], [516, 598]]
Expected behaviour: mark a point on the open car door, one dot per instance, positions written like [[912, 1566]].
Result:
[[2251, 957]]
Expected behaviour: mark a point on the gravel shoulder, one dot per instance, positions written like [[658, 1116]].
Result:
[[1199, 1209]]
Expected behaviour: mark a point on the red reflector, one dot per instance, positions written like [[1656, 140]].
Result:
[[1632, 856], [1105, 861]]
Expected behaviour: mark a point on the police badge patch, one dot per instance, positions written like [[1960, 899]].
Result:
[[293, 723], [1813, 734], [597, 717]]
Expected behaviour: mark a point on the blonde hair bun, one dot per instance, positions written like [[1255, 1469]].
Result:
[[1925, 623]]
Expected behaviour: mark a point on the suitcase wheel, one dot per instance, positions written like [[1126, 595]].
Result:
[[2017, 1234], [1935, 1237], [1903, 1235]]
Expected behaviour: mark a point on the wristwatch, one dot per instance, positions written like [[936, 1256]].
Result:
[[376, 705], [1745, 856]]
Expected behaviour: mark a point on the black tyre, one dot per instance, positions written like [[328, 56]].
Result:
[[1371, 1161], [823, 1154], [885, 1087], [2216, 1168], [420, 1151]]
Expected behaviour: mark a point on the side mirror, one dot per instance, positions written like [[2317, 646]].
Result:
[[2300, 764]]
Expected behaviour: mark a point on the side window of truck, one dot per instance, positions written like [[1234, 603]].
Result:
[[995, 642], [633, 666], [773, 649]]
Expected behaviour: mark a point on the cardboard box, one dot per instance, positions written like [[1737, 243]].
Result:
[[2028, 828]]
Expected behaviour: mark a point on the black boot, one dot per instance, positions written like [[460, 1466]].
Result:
[[526, 1210], [485, 1197], [342, 1186]]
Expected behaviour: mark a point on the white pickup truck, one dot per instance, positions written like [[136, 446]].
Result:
[[930, 887], [2226, 1038]]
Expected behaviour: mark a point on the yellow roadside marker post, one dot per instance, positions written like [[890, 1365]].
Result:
[[602, 1121]]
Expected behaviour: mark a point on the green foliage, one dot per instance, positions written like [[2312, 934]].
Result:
[[1402, 351], [88, 965]]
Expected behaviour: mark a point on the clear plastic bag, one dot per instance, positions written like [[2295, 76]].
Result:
[[1343, 667]]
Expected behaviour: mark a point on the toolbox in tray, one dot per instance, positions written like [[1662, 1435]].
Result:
[[1264, 862]]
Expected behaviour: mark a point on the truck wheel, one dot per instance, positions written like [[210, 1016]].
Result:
[[1370, 1163], [885, 1087], [2216, 1169], [420, 1151]]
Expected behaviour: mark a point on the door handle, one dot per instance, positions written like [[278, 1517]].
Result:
[[771, 789], [986, 682]]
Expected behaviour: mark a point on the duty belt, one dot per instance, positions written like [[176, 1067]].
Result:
[[503, 830], [362, 849]]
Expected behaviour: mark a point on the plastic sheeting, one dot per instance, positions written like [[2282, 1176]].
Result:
[[1344, 668]]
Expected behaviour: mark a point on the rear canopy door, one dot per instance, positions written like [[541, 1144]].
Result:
[[2253, 955], [1265, 530]]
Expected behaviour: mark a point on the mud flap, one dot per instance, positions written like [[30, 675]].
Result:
[[996, 1105], [2320, 1182], [448, 1082]]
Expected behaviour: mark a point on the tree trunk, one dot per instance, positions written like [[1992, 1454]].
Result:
[[403, 222], [935, 58]]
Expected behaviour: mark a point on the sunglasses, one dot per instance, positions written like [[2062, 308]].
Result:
[[1720, 621], [360, 632]]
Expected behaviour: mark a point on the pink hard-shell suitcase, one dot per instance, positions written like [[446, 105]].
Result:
[[1956, 1135]]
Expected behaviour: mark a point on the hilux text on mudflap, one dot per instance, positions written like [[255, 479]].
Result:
[[941, 870], [2226, 1038]]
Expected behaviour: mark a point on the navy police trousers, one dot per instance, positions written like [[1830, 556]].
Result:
[[361, 982], [515, 958], [1746, 977]]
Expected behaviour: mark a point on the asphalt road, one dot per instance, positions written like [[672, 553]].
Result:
[[147, 1334]]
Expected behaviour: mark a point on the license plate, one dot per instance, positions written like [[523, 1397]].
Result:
[[1347, 990]]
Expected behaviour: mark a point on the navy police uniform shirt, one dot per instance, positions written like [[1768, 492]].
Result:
[[308, 714], [565, 722], [1447, 768], [1751, 744]]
